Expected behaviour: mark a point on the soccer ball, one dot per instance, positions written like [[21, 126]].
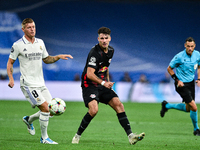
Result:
[[57, 106]]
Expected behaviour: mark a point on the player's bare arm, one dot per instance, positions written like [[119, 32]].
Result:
[[93, 77], [52, 59], [171, 72], [10, 72]]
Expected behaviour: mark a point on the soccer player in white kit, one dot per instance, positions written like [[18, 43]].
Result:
[[30, 52]]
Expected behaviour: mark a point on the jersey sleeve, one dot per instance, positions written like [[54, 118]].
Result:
[[14, 52], [45, 53], [175, 62], [93, 60]]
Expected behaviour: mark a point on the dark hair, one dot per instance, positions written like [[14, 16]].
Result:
[[104, 30], [25, 21], [189, 39]]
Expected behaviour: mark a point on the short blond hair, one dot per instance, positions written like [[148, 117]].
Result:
[[25, 21]]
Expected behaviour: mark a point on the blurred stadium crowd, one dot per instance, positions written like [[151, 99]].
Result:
[[145, 34]]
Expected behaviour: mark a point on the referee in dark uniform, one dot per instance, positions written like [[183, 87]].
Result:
[[96, 87]]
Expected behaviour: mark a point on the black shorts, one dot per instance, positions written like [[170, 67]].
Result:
[[103, 94], [187, 92]]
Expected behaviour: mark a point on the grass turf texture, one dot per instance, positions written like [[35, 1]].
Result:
[[174, 131]]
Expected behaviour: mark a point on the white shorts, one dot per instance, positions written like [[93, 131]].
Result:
[[36, 95]]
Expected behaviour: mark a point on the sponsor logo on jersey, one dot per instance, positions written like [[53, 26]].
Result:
[[33, 56], [92, 95], [103, 69]]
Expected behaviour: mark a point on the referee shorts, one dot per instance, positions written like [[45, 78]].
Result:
[[102, 94], [187, 92]]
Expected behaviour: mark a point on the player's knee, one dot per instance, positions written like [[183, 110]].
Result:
[[93, 111], [44, 107], [194, 108], [45, 110], [121, 106]]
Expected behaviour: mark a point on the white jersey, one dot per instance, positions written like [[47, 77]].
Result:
[[30, 57]]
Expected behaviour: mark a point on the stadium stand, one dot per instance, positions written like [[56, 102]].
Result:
[[145, 35]]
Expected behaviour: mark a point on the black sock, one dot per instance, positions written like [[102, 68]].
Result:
[[85, 122], [123, 120]]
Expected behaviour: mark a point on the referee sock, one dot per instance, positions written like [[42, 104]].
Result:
[[85, 122], [194, 117], [123, 120], [180, 106]]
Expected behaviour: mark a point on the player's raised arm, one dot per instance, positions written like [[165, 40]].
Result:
[[10, 72], [52, 59]]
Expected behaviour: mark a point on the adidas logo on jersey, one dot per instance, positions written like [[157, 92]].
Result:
[[24, 50]]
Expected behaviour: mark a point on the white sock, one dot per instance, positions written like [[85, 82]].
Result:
[[44, 121], [34, 117]]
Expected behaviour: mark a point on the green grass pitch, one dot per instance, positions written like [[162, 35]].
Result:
[[174, 131]]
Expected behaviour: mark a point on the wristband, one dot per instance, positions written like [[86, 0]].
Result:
[[174, 77], [103, 82]]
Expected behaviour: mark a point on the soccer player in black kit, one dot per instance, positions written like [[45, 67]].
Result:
[[96, 87]]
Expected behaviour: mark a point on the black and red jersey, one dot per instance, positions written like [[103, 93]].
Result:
[[100, 61]]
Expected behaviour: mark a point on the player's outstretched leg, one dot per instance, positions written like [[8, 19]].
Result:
[[30, 127], [134, 138], [163, 109], [84, 123]]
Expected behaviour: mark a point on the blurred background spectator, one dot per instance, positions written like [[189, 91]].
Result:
[[77, 77], [126, 77], [3, 77], [167, 78], [143, 79]]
